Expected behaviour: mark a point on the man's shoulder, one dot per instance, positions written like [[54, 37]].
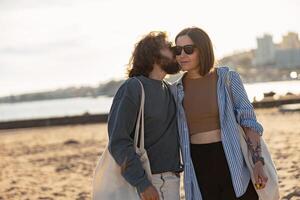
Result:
[[133, 83], [130, 88]]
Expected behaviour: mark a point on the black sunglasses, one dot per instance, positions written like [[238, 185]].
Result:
[[188, 49]]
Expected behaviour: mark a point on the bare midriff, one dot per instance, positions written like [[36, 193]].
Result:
[[206, 137]]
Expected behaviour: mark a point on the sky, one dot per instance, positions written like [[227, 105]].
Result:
[[49, 44]]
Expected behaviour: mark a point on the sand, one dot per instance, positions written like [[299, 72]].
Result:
[[58, 162]]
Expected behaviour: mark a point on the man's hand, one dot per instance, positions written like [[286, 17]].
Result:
[[150, 194]]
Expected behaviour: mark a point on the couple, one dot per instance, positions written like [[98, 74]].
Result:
[[189, 119]]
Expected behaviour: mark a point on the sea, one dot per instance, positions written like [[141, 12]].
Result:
[[102, 104]]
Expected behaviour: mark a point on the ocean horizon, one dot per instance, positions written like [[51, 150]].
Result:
[[102, 104]]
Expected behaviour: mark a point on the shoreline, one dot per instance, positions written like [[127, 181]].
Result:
[[86, 118]]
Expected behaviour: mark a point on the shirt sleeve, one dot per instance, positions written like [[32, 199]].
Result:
[[121, 125], [243, 108]]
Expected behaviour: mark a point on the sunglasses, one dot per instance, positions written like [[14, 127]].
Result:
[[188, 49]]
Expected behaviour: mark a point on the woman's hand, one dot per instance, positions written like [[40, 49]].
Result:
[[259, 175], [253, 142]]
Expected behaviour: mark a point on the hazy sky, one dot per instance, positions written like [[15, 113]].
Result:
[[45, 44]]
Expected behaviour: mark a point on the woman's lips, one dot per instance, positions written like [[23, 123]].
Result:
[[184, 62]]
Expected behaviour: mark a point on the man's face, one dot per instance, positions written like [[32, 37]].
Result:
[[166, 52], [168, 62]]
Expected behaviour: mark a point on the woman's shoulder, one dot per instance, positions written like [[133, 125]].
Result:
[[223, 70]]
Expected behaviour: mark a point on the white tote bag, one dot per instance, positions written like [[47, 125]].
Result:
[[108, 183], [271, 190]]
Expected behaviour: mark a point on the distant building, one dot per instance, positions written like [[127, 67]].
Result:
[[287, 58], [284, 55], [265, 52], [290, 41]]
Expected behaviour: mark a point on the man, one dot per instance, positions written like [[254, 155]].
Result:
[[151, 60]]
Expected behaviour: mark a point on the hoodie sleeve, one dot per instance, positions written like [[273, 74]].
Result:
[[121, 125]]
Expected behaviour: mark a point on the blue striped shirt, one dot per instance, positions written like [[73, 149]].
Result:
[[238, 109]]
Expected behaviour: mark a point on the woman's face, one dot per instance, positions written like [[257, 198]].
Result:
[[188, 62]]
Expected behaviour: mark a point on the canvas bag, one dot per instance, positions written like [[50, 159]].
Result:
[[271, 190], [108, 183]]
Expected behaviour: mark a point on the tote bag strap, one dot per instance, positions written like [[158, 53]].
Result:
[[139, 127], [228, 82]]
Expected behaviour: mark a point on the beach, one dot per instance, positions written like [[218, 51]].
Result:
[[58, 162]]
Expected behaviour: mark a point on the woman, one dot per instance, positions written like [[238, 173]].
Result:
[[208, 109]]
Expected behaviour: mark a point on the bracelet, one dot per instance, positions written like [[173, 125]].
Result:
[[261, 159]]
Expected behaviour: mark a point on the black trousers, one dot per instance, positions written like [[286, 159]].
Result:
[[213, 173]]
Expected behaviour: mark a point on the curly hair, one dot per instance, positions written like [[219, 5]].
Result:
[[146, 53]]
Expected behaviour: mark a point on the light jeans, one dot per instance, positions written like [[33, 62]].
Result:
[[167, 185]]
